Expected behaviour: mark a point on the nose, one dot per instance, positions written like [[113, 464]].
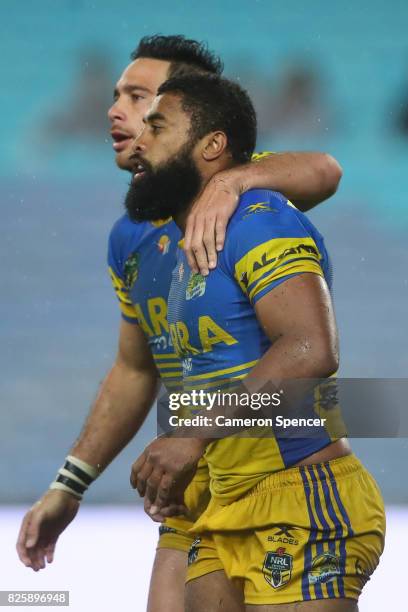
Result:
[[116, 113], [139, 144]]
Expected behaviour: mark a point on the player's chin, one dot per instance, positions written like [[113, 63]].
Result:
[[122, 160]]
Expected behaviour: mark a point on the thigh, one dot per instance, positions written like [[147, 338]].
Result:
[[338, 605], [168, 578], [213, 593], [166, 591], [208, 589]]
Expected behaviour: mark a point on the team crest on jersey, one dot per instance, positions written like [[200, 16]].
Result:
[[131, 270], [277, 567], [325, 568], [164, 244], [195, 286]]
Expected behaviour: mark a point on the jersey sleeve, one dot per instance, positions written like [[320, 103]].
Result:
[[269, 244], [116, 268]]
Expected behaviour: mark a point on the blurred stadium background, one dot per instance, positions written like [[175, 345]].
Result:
[[325, 77]]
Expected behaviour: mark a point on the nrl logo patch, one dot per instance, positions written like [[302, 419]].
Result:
[[277, 568], [193, 552], [195, 286], [325, 567]]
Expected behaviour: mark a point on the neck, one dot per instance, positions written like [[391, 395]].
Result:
[[181, 217], [207, 172]]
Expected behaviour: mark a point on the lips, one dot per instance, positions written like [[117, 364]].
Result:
[[121, 140], [139, 171]]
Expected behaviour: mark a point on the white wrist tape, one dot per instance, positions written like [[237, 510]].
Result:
[[75, 476]]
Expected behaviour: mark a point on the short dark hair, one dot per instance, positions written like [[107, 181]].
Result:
[[215, 103], [184, 54]]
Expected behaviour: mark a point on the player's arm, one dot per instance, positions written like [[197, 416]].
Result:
[[117, 413], [304, 178], [298, 318], [123, 401]]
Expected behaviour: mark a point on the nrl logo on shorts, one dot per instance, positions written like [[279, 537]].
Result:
[[195, 286], [277, 568], [325, 567], [131, 270], [193, 552]]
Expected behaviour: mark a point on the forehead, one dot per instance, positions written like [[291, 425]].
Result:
[[169, 105], [145, 72]]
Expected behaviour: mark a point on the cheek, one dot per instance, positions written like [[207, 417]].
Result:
[[122, 159], [159, 155], [135, 116]]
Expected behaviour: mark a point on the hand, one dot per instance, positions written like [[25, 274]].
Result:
[[208, 220], [162, 473], [42, 525]]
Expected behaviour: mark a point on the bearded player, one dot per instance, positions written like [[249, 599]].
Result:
[[115, 416], [264, 314]]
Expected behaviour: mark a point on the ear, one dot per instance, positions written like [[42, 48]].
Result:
[[214, 145]]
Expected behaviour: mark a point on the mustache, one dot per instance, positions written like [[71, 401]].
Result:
[[138, 163], [165, 191]]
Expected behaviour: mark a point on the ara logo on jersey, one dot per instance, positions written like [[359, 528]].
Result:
[[164, 244], [131, 270], [195, 286], [277, 568]]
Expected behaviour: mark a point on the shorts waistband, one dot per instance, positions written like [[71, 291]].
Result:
[[336, 468]]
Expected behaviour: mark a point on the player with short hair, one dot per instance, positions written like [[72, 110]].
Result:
[[264, 314], [308, 178]]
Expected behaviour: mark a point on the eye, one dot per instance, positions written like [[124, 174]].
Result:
[[155, 128], [136, 97]]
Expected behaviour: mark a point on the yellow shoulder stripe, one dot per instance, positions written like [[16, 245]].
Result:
[[125, 303], [272, 255]]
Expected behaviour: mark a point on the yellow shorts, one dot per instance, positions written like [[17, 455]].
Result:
[[314, 532], [174, 532]]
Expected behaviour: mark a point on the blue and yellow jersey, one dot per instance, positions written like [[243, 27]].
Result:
[[141, 257], [216, 333]]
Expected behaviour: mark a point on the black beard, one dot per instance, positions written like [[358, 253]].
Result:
[[166, 191]]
